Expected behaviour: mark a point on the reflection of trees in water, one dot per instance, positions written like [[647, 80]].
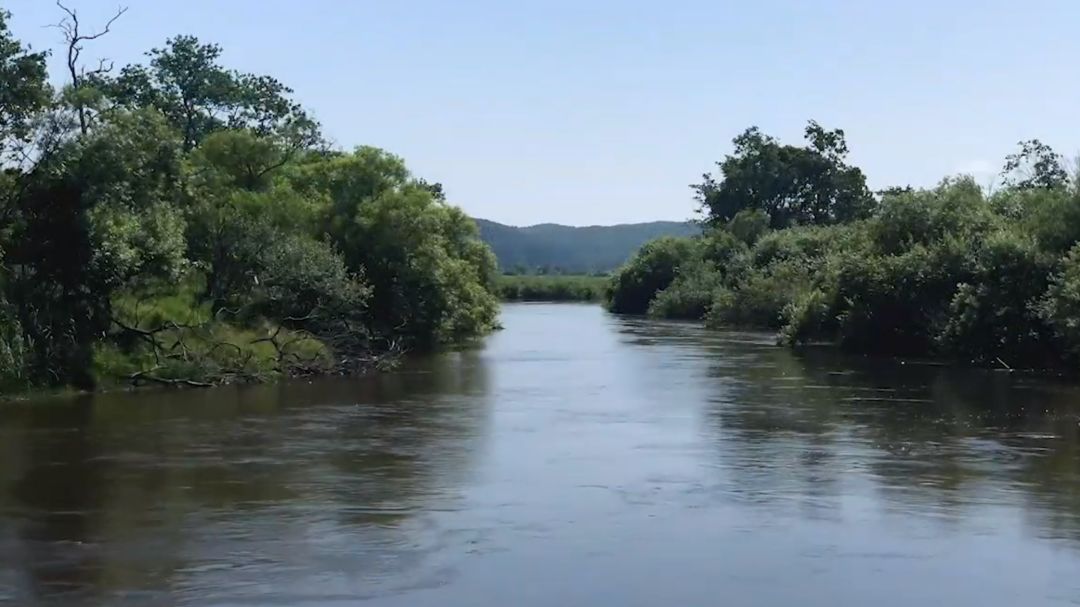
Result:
[[152, 490], [793, 428]]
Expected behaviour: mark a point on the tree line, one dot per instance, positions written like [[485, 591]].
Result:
[[176, 221], [793, 240]]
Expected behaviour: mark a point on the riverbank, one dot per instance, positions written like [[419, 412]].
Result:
[[951, 273], [551, 287]]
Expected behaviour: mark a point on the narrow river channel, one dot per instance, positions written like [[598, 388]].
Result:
[[574, 458]]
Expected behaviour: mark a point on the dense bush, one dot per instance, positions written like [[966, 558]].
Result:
[[690, 295], [948, 271], [551, 287], [994, 316], [759, 298], [652, 270], [1060, 306]]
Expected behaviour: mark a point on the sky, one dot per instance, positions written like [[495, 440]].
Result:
[[599, 112]]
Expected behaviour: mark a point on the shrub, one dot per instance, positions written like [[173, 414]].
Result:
[[1060, 306], [690, 295], [760, 298], [897, 304], [651, 270], [552, 287], [748, 225], [955, 209], [810, 316], [993, 316]]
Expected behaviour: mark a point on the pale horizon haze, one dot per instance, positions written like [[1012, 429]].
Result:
[[604, 112]]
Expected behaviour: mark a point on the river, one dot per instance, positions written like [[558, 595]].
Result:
[[574, 458]]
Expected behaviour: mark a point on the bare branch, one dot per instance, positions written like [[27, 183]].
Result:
[[75, 40], [72, 27], [148, 376]]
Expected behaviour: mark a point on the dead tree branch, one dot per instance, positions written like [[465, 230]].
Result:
[[75, 38]]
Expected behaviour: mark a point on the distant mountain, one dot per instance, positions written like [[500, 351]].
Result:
[[573, 250]]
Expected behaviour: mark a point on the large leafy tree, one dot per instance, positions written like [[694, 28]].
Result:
[[186, 82], [432, 277], [240, 211], [812, 184], [99, 216], [130, 191]]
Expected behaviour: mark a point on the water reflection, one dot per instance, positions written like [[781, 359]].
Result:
[[576, 459], [107, 496], [799, 432]]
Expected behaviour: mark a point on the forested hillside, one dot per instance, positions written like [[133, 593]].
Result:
[[549, 247]]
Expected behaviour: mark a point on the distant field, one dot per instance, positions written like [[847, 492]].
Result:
[[552, 288]]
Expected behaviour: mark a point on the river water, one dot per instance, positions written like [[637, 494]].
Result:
[[574, 458]]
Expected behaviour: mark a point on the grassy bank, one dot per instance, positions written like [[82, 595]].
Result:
[[551, 288]]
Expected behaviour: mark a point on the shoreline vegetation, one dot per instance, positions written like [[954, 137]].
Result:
[[552, 287], [793, 241], [181, 223]]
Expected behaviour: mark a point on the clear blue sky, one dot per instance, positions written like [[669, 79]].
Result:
[[586, 112]]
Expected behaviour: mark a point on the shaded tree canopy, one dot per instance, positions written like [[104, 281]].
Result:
[[24, 88], [793, 185], [186, 82]]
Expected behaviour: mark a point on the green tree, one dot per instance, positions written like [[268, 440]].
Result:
[[432, 277], [792, 185], [239, 210], [655, 266], [1035, 166], [99, 216], [24, 89], [198, 96]]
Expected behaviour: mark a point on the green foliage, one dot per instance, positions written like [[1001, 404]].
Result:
[[748, 225], [97, 217], [726, 251], [24, 88], [655, 266], [791, 185], [955, 209], [945, 271], [809, 246], [897, 304], [1051, 216], [189, 228], [807, 316], [15, 352], [1035, 166], [994, 315], [198, 96], [432, 278], [1060, 306], [760, 298], [551, 288], [690, 295]]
